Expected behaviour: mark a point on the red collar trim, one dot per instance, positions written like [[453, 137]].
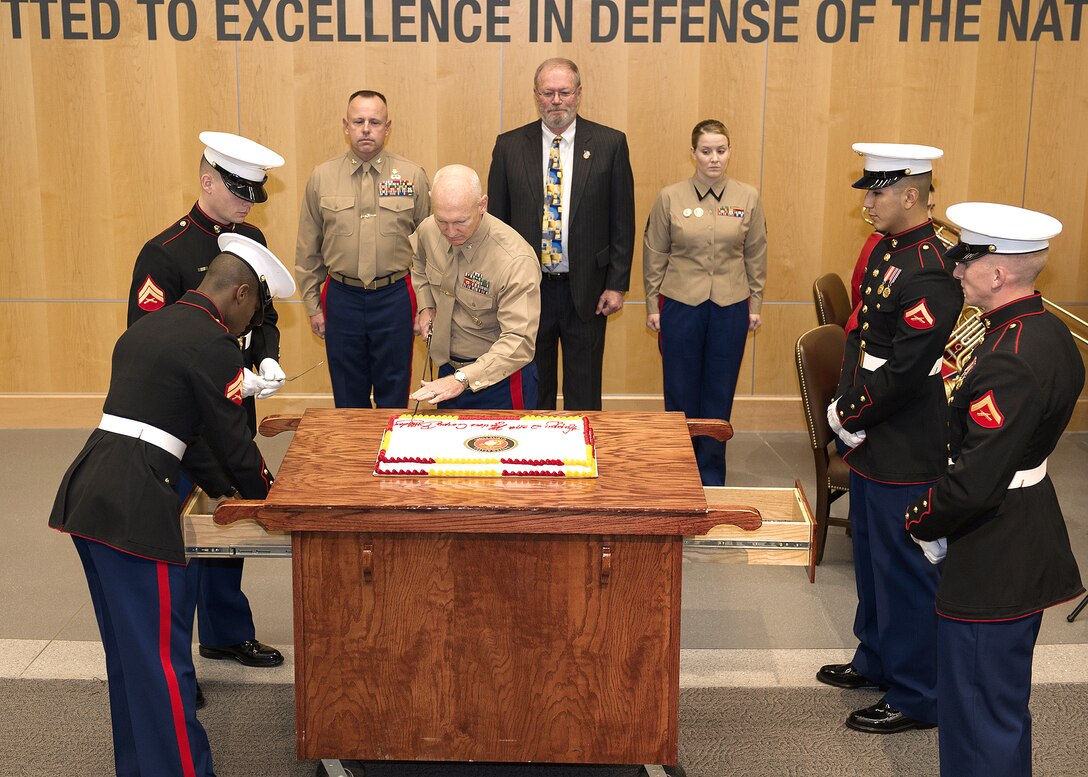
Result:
[[206, 223], [213, 312]]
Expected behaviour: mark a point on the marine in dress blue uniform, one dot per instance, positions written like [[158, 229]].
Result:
[[891, 409], [232, 177], [174, 402], [995, 511]]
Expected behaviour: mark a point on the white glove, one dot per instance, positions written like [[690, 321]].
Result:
[[935, 551], [273, 373], [253, 385], [853, 439]]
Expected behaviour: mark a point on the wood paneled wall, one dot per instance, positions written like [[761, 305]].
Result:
[[99, 151]]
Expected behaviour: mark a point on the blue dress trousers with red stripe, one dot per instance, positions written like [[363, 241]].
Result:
[[368, 342], [701, 350], [178, 371], [889, 390], [1009, 555], [517, 392]]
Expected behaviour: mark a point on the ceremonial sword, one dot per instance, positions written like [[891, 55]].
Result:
[[427, 364], [295, 377]]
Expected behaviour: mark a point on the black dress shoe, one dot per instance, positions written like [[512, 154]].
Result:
[[883, 718], [251, 653], [845, 676], [200, 703]]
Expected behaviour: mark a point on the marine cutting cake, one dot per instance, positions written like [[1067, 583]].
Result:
[[487, 446]]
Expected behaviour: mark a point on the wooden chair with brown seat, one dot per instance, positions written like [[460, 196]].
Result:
[[819, 355], [832, 300]]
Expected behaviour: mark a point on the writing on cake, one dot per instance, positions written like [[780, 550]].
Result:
[[482, 446]]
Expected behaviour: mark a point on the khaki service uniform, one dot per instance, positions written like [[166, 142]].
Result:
[[486, 296], [709, 248], [352, 257], [704, 268]]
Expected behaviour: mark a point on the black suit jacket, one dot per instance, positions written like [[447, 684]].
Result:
[[601, 224]]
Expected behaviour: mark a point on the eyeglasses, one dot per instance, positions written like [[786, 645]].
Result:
[[563, 95]]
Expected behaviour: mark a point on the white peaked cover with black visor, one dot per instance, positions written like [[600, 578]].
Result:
[[268, 268], [989, 227], [243, 163], [886, 163]]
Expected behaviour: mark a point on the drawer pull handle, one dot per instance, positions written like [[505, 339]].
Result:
[[368, 562]]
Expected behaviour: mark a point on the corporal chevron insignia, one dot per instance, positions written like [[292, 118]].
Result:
[[919, 317], [234, 389], [984, 412], [150, 296]]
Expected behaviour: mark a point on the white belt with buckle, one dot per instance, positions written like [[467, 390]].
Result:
[[145, 432], [874, 363], [1023, 478], [1028, 477]]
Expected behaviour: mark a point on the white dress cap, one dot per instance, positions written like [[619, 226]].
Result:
[[242, 163], [988, 227], [886, 163], [268, 268]]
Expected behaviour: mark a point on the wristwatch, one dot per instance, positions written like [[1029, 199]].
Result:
[[462, 378]]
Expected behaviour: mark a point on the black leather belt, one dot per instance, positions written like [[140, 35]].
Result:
[[555, 276], [377, 283]]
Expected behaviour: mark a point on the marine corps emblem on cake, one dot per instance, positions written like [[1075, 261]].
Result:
[[490, 443]]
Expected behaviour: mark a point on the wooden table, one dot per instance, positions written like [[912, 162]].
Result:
[[480, 619]]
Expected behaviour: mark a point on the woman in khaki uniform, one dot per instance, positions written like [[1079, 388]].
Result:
[[704, 265]]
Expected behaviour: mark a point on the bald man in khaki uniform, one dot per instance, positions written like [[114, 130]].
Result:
[[478, 293], [352, 258]]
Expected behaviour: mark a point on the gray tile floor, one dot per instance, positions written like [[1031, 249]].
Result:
[[741, 624]]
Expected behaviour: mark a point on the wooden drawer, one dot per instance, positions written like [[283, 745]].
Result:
[[786, 537], [204, 537]]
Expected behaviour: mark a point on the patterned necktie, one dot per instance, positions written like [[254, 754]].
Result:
[[551, 239]]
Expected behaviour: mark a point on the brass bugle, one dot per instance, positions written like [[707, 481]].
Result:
[[965, 338], [944, 233]]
